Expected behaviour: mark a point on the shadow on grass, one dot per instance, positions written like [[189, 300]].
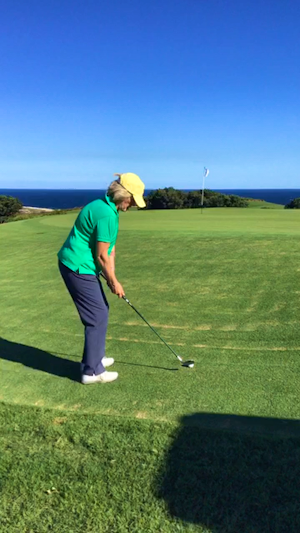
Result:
[[129, 364], [47, 362], [147, 366], [39, 360], [234, 474]]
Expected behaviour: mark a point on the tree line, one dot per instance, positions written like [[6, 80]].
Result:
[[170, 198]]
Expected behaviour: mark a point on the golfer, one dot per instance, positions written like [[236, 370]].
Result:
[[89, 250]]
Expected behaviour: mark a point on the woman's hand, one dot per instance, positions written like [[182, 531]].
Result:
[[116, 288]]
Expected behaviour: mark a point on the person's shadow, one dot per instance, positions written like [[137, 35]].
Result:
[[39, 360], [47, 362], [234, 474]]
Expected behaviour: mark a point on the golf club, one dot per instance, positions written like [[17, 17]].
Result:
[[188, 364]]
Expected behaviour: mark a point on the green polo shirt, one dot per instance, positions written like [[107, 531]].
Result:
[[97, 221]]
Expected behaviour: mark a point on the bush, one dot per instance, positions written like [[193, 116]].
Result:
[[294, 204], [193, 199], [170, 198], [237, 201], [9, 207]]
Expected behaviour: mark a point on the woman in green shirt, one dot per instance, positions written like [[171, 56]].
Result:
[[89, 250]]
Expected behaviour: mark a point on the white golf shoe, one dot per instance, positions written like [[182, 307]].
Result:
[[105, 377], [107, 361]]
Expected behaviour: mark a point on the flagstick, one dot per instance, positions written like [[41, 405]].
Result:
[[202, 197]]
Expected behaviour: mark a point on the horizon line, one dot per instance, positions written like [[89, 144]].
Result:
[[150, 188]]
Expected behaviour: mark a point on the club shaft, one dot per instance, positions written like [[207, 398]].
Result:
[[143, 318], [151, 327]]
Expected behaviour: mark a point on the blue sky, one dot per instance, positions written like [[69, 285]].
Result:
[[159, 87]]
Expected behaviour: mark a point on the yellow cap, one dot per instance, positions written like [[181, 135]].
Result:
[[133, 184]]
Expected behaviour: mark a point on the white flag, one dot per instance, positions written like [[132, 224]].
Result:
[[206, 172]]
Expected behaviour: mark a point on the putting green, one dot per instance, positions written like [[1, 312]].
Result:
[[222, 287], [223, 221]]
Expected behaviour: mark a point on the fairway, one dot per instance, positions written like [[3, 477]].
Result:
[[221, 287]]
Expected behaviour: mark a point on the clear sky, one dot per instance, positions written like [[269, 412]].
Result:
[[157, 87]]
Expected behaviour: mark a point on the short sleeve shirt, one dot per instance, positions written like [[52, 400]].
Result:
[[97, 221]]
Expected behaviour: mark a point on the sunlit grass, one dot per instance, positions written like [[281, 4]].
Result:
[[222, 287]]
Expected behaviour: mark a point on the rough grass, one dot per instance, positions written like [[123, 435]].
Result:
[[261, 204], [223, 289], [69, 472]]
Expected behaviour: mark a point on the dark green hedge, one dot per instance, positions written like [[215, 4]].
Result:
[[170, 198], [9, 207], [293, 204]]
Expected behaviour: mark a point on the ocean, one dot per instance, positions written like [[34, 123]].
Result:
[[69, 198]]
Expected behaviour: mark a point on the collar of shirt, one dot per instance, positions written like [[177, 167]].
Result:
[[111, 204]]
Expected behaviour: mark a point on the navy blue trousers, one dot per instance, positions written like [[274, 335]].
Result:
[[88, 296]]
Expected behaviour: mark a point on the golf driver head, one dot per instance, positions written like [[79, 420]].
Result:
[[188, 364]]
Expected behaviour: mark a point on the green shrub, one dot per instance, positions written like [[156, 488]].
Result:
[[170, 198], [193, 199], [294, 204], [9, 207]]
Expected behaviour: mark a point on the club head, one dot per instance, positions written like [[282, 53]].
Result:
[[188, 364]]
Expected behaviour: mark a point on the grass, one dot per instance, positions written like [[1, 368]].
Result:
[[69, 472], [262, 204], [195, 450]]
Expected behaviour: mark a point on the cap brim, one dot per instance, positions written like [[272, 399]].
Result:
[[139, 200]]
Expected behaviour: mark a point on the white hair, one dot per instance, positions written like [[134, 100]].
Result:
[[117, 193]]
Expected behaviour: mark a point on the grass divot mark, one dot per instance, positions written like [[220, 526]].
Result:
[[167, 326], [259, 348], [204, 327], [281, 349], [142, 341], [59, 420], [201, 346], [249, 327], [204, 291], [221, 296], [164, 326], [40, 403], [250, 348], [135, 324], [277, 308], [141, 414], [252, 307]]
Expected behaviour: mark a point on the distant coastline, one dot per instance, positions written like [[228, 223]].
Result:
[[30, 209], [71, 198]]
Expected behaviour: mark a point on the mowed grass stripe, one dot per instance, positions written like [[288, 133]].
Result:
[[213, 294], [163, 448]]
